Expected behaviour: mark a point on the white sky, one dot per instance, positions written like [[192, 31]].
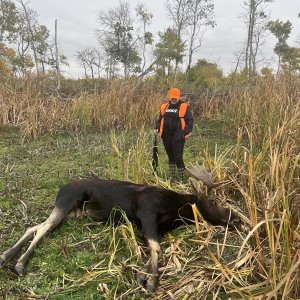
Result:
[[77, 24]]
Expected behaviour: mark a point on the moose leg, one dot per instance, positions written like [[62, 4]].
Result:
[[11, 253], [148, 277], [40, 231]]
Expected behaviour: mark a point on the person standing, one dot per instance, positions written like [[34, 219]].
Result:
[[175, 124]]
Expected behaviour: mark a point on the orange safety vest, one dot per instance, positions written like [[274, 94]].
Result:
[[182, 110]]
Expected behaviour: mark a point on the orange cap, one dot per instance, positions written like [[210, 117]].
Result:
[[174, 93]]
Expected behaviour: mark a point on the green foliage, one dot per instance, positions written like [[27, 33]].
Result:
[[8, 20], [22, 31], [288, 55], [148, 37], [266, 72], [10, 62], [292, 58], [204, 75], [121, 47], [169, 52], [7, 56], [41, 36], [237, 78], [281, 30], [118, 39]]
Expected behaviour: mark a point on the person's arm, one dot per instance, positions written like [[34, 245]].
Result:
[[189, 122], [157, 123]]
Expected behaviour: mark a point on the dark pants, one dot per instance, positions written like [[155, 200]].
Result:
[[174, 150]]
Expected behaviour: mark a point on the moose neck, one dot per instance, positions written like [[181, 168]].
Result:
[[185, 201], [215, 214]]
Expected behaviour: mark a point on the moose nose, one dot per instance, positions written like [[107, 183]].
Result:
[[237, 223]]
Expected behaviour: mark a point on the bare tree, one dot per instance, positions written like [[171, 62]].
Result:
[[57, 60], [177, 11], [238, 61], [110, 62], [190, 18], [117, 36], [145, 18], [256, 19], [22, 41], [90, 59], [200, 15], [30, 17]]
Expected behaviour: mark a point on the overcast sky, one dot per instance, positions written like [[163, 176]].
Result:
[[77, 22]]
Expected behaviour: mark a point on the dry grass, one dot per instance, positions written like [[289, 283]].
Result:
[[124, 106], [263, 166]]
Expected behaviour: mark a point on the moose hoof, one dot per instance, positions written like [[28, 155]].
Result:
[[141, 279], [150, 287], [20, 269], [149, 282], [2, 261]]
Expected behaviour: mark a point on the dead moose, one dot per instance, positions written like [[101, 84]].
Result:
[[155, 210]]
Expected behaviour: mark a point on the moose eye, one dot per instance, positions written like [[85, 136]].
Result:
[[213, 202]]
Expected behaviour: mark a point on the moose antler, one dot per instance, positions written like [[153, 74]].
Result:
[[201, 174]]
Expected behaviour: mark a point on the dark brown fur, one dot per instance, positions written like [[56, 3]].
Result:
[[155, 210]]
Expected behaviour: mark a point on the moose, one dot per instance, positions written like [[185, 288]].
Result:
[[154, 209]]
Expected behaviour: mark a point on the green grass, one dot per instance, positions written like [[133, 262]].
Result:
[[78, 261]]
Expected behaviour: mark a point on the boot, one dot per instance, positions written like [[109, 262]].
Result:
[[181, 172], [172, 169]]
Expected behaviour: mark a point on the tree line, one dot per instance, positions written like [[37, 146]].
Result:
[[127, 47]]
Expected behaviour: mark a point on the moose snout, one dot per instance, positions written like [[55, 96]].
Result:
[[235, 222]]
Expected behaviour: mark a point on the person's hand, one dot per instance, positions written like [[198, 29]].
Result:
[[179, 136]]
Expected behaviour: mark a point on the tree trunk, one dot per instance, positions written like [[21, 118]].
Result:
[[57, 61], [278, 65], [32, 36]]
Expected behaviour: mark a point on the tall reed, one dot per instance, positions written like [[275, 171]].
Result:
[[266, 121], [125, 105]]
